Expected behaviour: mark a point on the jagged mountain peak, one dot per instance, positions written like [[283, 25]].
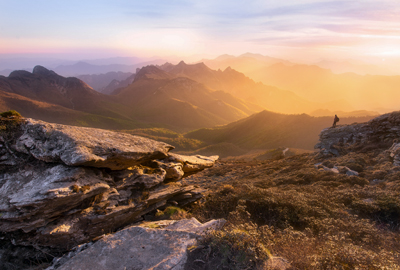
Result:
[[184, 69], [151, 72]]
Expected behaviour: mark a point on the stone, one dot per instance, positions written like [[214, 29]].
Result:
[[345, 170], [63, 186], [193, 163], [377, 134], [277, 263], [138, 247], [174, 170], [193, 225], [140, 176], [351, 173], [35, 194], [395, 153], [79, 146]]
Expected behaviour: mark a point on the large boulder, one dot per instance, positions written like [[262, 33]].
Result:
[[62, 186], [139, 247], [79, 146]]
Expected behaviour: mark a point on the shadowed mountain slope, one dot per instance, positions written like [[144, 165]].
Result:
[[267, 130], [108, 82], [47, 86], [58, 114], [163, 97]]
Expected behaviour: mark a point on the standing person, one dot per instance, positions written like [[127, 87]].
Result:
[[335, 121]]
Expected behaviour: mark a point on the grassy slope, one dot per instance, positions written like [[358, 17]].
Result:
[[268, 130], [313, 218], [58, 114]]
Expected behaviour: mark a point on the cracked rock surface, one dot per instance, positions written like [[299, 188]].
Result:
[[62, 186]]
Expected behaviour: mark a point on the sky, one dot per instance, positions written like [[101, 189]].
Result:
[[298, 29]]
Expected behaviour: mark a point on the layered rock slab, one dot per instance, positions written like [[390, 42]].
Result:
[[61, 186], [79, 146]]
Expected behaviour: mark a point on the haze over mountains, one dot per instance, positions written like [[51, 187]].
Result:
[[182, 97], [349, 91]]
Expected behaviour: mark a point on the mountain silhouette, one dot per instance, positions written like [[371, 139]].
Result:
[[46, 86]]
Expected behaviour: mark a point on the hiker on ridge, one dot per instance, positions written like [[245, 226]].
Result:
[[335, 121]]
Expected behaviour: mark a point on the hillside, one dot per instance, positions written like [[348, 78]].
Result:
[[59, 114], [268, 130], [162, 97], [310, 211], [47, 86], [336, 207]]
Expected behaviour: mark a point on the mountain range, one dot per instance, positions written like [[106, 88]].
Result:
[[182, 98], [107, 83], [348, 91]]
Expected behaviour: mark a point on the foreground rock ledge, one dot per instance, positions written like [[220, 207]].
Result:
[[139, 247], [79, 146], [61, 186]]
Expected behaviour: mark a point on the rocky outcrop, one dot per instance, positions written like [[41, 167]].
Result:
[[140, 247], [78, 146], [61, 186], [378, 133]]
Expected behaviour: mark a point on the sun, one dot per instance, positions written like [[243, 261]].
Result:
[[173, 41]]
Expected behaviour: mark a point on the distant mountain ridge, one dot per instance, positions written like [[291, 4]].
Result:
[[180, 97], [269, 130], [318, 84], [47, 86], [82, 68], [108, 82], [239, 85]]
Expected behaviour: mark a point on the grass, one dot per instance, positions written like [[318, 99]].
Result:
[[314, 219]]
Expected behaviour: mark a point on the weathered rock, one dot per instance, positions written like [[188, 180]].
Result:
[[78, 146], [140, 176], [34, 195], [174, 169], [376, 134], [336, 169], [395, 153], [193, 225], [141, 248], [193, 163], [61, 186]]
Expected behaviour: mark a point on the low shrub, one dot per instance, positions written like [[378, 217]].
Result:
[[313, 219]]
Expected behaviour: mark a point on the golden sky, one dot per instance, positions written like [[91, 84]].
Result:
[[298, 29]]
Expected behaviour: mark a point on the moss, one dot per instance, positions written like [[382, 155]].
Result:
[[75, 188], [84, 188], [10, 113], [172, 212]]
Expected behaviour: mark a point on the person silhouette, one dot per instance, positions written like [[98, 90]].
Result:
[[335, 120]]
